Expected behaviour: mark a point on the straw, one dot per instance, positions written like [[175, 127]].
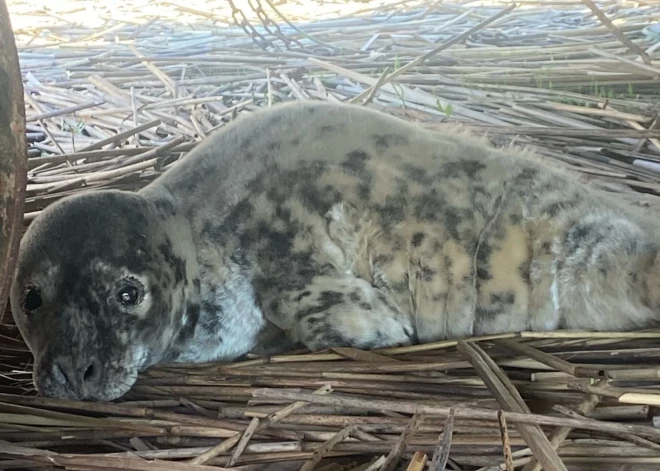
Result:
[[116, 95]]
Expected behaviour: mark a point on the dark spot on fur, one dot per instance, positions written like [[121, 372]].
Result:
[[428, 206], [295, 142], [526, 175], [385, 141], [483, 261], [453, 218], [397, 243], [392, 211], [575, 235], [193, 314], [165, 207], [258, 183], [234, 221], [383, 259], [417, 239], [277, 244], [418, 174], [428, 273], [364, 191], [365, 306], [177, 263], [210, 230], [283, 213], [190, 184], [484, 274], [313, 321], [325, 301], [468, 168], [488, 314], [553, 209], [400, 286], [515, 218], [331, 298], [327, 128], [274, 305], [354, 296], [331, 338], [355, 161], [318, 199], [524, 270], [210, 321], [503, 297], [302, 295], [585, 235], [273, 146]]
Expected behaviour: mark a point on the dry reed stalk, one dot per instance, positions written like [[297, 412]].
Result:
[[327, 446], [417, 462], [401, 444], [268, 421], [509, 399], [622, 37], [441, 452], [463, 413], [506, 444]]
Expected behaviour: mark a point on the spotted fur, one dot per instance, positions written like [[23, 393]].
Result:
[[325, 225]]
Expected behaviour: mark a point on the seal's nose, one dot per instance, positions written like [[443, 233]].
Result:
[[67, 375]]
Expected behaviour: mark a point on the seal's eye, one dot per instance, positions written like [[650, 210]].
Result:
[[32, 300], [128, 295]]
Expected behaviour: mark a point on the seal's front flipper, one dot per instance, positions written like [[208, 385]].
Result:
[[342, 311]]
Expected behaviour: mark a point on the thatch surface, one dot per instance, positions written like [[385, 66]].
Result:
[[116, 93]]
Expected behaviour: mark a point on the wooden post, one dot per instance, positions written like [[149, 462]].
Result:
[[13, 155]]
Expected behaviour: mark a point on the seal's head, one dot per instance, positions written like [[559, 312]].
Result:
[[101, 291]]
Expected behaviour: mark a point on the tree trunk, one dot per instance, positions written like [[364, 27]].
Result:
[[13, 155]]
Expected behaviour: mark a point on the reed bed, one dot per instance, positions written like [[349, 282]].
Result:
[[117, 93]]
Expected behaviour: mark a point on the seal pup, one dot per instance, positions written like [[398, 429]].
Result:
[[323, 225]]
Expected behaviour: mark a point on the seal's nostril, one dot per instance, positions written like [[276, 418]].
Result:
[[89, 372]]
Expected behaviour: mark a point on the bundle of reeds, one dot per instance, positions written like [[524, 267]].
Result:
[[115, 94]]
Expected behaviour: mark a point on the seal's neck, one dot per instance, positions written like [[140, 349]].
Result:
[[219, 317], [184, 292], [230, 319]]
